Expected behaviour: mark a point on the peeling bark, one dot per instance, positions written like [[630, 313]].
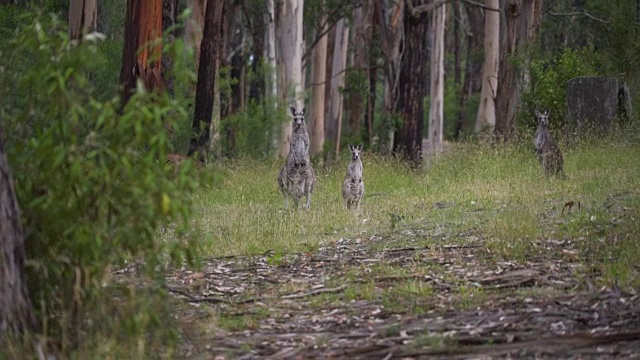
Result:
[[16, 312], [412, 87]]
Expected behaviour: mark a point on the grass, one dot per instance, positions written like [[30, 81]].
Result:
[[497, 189], [492, 196]]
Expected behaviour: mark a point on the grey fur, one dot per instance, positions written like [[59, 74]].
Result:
[[297, 177], [299, 146], [296, 182], [547, 151], [353, 185]]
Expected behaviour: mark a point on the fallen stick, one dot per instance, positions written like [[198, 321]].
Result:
[[315, 292]]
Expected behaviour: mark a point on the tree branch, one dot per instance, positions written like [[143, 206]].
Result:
[[329, 23], [583, 13], [480, 5], [417, 10]]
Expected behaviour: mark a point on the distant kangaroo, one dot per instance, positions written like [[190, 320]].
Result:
[[547, 150], [299, 146], [353, 185], [297, 177]]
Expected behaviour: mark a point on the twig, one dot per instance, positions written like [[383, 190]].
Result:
[[406, 249], [192, 299], [418, 10], [316, 292], [583, 13]]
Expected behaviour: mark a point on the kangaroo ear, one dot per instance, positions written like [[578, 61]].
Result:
[[537, 113], [293, 110], [304, 111], [546, 112], [360, 146], [350, 147]]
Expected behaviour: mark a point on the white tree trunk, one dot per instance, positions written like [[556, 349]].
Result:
[[486, 120], [337, 80], [214, 145], [271, 76], [83, 17], [318, 88], [436, 109], [290, 46]]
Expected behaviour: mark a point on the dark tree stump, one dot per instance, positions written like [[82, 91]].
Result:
[[592, 102], [624, 103]]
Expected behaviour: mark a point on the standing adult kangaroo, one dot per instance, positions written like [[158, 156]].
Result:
[[297, 177]]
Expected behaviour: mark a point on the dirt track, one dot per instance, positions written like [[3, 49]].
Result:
[[346, 300]]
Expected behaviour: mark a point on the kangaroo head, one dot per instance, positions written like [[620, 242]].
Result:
[[298, 117], [543, 117], [355, 151]]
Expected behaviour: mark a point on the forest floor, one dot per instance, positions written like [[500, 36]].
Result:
[[413, 294], [470, 264]]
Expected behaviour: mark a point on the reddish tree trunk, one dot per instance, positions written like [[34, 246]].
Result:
[[16, 313], [142, 49], [412, 85], [210, 49]]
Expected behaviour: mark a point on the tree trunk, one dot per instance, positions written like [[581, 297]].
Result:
[[473, 66], [412, 86], [143, 29], [390, 25], [232, 54], [210, 50], [169, 19], [83, 18], [486, 120], [271, 76], [290, 41], [457, 68], [522, 21], [318, 88], [373, 75], [361, 39], [215, 147], [16, 312], [436, 108], [334, 123], [194, 26]]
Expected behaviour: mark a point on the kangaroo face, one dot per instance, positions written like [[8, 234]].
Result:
[[543, 118], [298, 117], [355, 151]]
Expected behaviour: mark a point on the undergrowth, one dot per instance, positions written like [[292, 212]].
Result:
[[498, 191]]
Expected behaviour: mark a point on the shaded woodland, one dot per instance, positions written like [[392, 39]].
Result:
[[112, 109]]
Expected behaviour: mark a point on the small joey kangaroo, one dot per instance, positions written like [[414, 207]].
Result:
[[547, 151], [299, 146], [353, 185]]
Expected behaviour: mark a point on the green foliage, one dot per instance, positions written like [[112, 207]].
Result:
[[91, 180], [252, 130], [549, 77]]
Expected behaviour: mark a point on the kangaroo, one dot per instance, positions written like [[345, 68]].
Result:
[[299, 146], [297, 177], [353, 185], [547, 150], [296, 181]]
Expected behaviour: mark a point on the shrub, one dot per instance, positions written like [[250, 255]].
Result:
[[549, 78], [91, 180]]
